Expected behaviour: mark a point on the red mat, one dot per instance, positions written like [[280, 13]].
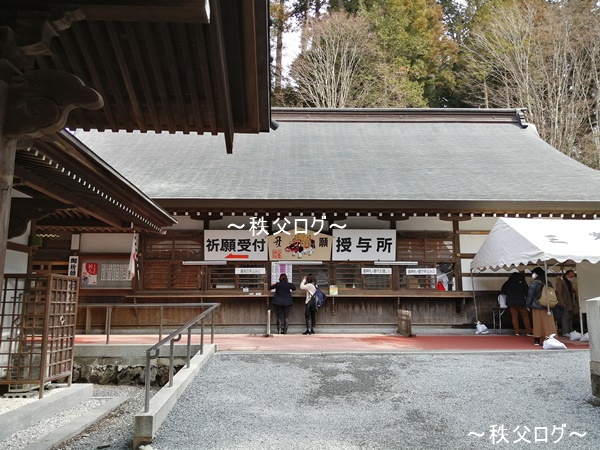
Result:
[[345, 342]]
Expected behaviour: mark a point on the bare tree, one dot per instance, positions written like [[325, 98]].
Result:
[[328, 73], [543, 57]]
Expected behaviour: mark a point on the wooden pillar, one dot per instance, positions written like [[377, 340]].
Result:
[[61, 92], [457, 261], [8, 149]]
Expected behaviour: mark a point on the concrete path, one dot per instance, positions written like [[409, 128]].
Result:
[[343, 342]]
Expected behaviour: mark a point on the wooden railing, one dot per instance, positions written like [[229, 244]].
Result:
[[110, 307]]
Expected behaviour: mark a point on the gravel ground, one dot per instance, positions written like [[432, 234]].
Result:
[[360, 401], [114, 431], [371, 401], [8, 404], [21, 439]]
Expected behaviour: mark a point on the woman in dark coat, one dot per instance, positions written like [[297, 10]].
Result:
[[543, 323], [515, 289], [282, 301]]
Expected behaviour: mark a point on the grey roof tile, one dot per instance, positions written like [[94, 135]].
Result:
[[352, 161]]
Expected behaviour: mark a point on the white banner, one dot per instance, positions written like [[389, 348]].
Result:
[[234, 245], [364, 245]]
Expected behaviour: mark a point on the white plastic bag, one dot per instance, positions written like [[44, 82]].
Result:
[[585, 338], [502, 301], [481, 328], [551, 343], [574, 335]]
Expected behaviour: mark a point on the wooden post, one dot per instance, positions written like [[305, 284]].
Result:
[[8, 150], [405, 322]]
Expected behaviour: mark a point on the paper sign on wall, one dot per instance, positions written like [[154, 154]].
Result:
[[421, 271], [234, 245], [376, 271], [306, 246], [364, 245]]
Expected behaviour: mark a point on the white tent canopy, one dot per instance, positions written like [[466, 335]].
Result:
[[514, 242]]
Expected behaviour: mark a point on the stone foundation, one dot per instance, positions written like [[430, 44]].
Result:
[[595, 377], [121, 374]]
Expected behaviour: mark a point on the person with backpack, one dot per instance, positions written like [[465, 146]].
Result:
[[282, 301], [515, 289], [309, 284], [543, 323]]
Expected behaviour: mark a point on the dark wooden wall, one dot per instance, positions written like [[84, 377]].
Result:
[[252, 311]]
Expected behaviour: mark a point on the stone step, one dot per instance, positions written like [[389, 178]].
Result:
[[76, 426], [24, 419], [40, 410]]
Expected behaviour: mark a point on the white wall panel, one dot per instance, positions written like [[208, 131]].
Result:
[[106, 243], [424, 224]]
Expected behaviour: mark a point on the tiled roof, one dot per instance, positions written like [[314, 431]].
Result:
[[396, 155]]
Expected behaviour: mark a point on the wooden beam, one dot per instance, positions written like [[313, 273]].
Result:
[[25, 210], [190, 76], [60, 194], [455, 217], [79, 222], [220, 53], [114, 77], [8, 150], [126, 10], [160, 83], [174, 69], [207, 81], [143, 77], [183, 11], [249, 60], [22, 248], [77, 68]]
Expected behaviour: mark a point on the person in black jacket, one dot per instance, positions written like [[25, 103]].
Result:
[[515, 289], [282, 301]]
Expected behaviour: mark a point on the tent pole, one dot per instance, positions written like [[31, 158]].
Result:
[[546, 277], [580, 313], [546, 281], [474, 299]]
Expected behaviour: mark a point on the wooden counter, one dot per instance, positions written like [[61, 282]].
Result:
[[346, 293]]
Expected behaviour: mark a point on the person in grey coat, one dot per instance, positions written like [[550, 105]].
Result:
[[565, 294]]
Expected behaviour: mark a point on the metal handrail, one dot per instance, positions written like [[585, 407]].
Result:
[[175, 336], [110, 306]]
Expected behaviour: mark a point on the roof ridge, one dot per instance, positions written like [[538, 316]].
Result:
[[399, 115]]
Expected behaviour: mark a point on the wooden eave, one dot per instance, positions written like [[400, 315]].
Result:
[[203, 209], [94, 195], [163, 66]]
